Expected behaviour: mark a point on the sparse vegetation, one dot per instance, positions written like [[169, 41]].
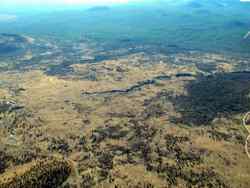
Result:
[[132, 126]]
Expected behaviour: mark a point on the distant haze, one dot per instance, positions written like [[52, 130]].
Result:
[[76, 2], [7, 17], [62, 2]]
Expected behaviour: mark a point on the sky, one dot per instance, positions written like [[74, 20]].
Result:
[[9, 9], [69, 3], [10, 6], [6, 3], [62, 2]]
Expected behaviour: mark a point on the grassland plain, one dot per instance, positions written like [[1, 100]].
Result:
[[133, 120]]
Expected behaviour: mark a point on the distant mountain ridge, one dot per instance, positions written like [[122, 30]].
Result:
[[99, 8]]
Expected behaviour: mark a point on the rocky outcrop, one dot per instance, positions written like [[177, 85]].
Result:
[[9, 106]]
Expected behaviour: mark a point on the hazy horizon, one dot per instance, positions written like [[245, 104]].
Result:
[[41, 4]]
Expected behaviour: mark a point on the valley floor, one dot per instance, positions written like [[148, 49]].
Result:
[[136, 120]]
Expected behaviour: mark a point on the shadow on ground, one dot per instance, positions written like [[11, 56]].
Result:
[[223, 94]]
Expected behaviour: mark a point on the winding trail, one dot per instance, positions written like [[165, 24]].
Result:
[[248, 137], [246, 146]]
